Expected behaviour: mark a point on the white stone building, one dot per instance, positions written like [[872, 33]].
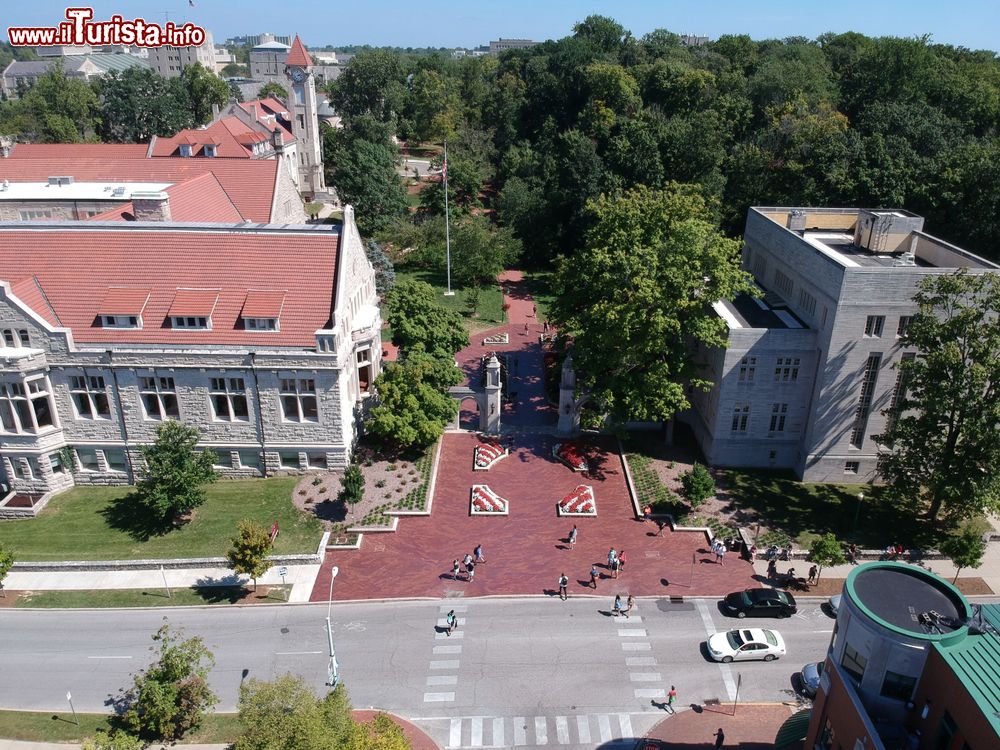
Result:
[[265, 337], [170, 62]]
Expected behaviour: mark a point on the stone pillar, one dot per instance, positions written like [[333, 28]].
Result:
[[489, 412], [569, 415]]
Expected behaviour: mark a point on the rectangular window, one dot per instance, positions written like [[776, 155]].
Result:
[[90, 397], [198, 322], [778, 413], [853, 663], [898, 686], [120, 321], [116, 460], [289, 459], [298, 400], [874, 325], [88, 459], [21, 469], [852, 467], [786, 370], [807, 302], [229, 400], [249, 459], [159, 397], [741, 416], [25, 407], [868, 381], [748, 368], [783, 284], [56, 462], [14, 338], [260, 324], [316, 460], [904, 323]]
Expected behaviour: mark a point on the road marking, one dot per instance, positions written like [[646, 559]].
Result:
[[443, 622], [541, 731], [583, 729], [823, 631], [445, 664], [442, 636], [640, 661], [604, 724], [650, 693], [636, 647], [497, 732], [625, 721], [118, 657], [727, 673], [455, 734], [284, 653], [438, 680], [448, 649], [519, 734], [438, 697], [477, 732], [636, 633], [562, 730], [634, 618], [645, 677]]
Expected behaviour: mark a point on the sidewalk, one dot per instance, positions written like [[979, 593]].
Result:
[[753, 727]]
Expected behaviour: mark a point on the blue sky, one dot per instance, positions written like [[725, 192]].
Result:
[[448, 23]]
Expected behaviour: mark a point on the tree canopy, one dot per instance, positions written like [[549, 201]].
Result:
[[172, 481], [251, 546], [417, 318]]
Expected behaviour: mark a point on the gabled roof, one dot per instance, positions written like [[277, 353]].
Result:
[[298, 55], [30, 292], [271, 113], [78, 150], [77, 262], [200, 199], [232, 138], [195, 302], [249, 183], [123, 300], [262, 303]]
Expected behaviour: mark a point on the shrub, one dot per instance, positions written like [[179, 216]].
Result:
[[697, 485]]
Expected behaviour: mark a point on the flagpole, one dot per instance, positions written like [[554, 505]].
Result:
[[447, 228]]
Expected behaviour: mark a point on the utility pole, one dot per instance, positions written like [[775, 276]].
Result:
[[447, 228], [333, 669]]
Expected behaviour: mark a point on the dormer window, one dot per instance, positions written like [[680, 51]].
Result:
[[186, 149], [210, 149], [191, 321], [121, 321], [192, 309], [260, 324], [122, 307], [262, 309]]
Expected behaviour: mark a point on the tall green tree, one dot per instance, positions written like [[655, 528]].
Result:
[[479, 253], [965, 547], [826, 550], [250, 550], [417, 319], [204, 90], [373, 83], [639, 294], [273, 89], [173, 480], [57, 109], [285, 714], [940, 448], [137, 104], [171, 696]]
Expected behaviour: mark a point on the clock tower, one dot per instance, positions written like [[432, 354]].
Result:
[[305, 122]]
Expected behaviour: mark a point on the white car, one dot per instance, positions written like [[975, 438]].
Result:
[[740, 645]]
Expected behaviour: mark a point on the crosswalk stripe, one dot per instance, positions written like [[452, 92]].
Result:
[[448, 649], [477, 732], [445, 664], [632, 633], [438, 680], [634, 618], [497, 732], [604, 724], [443, 623], [438, 697], [541, 731], [455, 734], [583, 729], [625, 722], [519, 734], [640, 661], [636, 647], [650, 693], [562, 730], [645, 677]]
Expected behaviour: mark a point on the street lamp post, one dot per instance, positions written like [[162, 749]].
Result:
[[333, 669]]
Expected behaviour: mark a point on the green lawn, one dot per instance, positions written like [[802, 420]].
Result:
[[490, 312], [48, 726], [179, 597], [99, 523], [540, 286]]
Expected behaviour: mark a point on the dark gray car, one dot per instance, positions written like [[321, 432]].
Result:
[[809, 678]]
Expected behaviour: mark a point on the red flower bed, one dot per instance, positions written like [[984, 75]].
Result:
[[579, 502], [572, 455], [486, 454], [485, 500]]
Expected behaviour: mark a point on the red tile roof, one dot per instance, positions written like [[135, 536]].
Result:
[[121, 300], [233, 140], [31, 293], [298, 55], [76, 262], [78, 150], [249, 183], [261, 303], [200, 199], [194, 302], [270, 113]]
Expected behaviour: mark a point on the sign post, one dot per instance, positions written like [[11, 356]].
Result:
[[165, 584], [69, 697], [283, 571], [736, 700], [274, 531]]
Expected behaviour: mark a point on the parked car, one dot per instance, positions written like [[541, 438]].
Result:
[[759, 603], [809, 678], [834, 604], [740, 645]]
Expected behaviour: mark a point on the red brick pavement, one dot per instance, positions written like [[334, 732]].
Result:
[[752, 727]]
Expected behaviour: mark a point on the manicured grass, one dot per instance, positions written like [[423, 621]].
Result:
[[101, 523], [490, 312], [48, 726], [179, 597], [540, 286]]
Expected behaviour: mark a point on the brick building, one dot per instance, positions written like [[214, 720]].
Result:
[[265, 337], [809, 365]]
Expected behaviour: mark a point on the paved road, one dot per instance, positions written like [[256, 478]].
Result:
[[517, 671]]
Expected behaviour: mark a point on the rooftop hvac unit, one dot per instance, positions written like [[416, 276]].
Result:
[[118, 192], [61, 180], [905, 259]]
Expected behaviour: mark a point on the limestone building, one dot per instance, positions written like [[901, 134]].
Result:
[[265, 337], [170, 62], [808, 369]]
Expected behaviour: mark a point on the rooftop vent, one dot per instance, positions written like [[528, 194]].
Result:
[[61, 180], [797, 220], [118, 192]]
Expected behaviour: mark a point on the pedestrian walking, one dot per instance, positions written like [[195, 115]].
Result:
[[628, 605], [661, 524], [813, 573], [647, 511], [454, 569], [621, 561], [720, 554], [617, 607], [593, 576], [720, 737], [470, 570], [563, 583], [534, 311], [451, 621], [525, 329], [545, 326], [671, 697], [572, 536], [772, 569], [478, 552], [612, 556], [615, 567], [467, 559]]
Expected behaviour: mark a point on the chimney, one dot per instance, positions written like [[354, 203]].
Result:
[[797, 220], [277, 140], [151, 206]]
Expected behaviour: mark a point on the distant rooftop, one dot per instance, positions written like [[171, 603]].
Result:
[[767, 311]]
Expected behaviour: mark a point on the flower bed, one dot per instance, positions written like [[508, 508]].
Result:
[[570, 454], [485, 502], [580, 502], [496, 338], [487, 454]]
